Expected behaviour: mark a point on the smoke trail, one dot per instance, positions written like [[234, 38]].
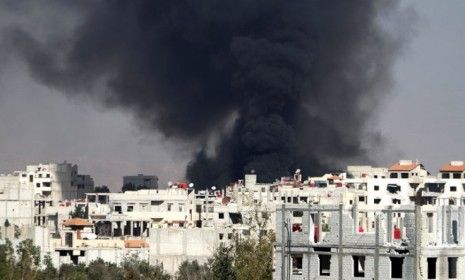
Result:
[[301, 78]]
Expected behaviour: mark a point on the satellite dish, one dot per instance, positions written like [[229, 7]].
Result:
[[191, 185], [297, 171], [170, 183], [213, 188]]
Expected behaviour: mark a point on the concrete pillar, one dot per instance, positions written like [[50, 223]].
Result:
[[355, 216], [376, 255], [389, 224], [340, 249], [418, 231]]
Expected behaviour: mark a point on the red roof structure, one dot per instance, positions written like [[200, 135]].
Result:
[[135, 243], [451, 167], [403, 167], [77, 222]]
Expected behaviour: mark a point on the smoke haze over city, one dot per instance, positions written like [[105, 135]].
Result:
[[235, 86]]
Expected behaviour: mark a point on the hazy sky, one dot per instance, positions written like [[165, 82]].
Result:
[[422, 118]]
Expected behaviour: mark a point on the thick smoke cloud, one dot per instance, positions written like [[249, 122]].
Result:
[[298, 80]]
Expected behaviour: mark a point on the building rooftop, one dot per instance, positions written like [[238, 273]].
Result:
[[453, 166], [135, 243], [77, 222], [403, 165]]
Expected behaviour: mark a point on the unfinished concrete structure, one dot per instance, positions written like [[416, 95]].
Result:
[[403, 242]]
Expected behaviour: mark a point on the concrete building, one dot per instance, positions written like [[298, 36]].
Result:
[[401, 224], [16, 201], [398, 222], [141, 181]]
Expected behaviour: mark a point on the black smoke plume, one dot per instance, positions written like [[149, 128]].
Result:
[[297, 81]]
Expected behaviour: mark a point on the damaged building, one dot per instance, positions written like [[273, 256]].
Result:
[[400, 223]]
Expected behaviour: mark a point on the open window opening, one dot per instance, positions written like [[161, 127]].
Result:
[[359, 266], [325, 265], [452, 267], [431, 267], [396, 267], [297, 264]]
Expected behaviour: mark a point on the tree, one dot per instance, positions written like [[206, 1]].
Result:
[[7, 225], [17, 232], [135, 269], [49, 272], [80, 212], [73, 272], [253, 258], [7, 260], [193, 271], [101, 270], [221, 264], [28, 259]]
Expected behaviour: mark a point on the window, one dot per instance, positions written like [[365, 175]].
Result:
[[377, 200], [156, 202], [31, 178], [130, 208], [376, 188], [393, 175], [46, 184], [325, 265], [431, 268], [38, 185], [40, 175], [456, 176], [296, 264], [376, 176], [221, 215], [47, 175], [393, 188], [445, 175], [396, 267], [359, 266], [221, 236], [351, 202], [404, 175], [297, 213], [395, 201], [361, 198], [452, 265], [118, 208], [453, 188], [170, 205]]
